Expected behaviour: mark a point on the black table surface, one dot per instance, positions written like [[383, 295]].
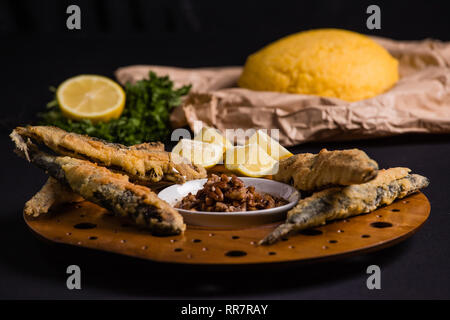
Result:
[[31, 268]]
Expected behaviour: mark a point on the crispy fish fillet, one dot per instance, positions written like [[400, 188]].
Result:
[[308, 172], [110, 190], [52, 194], [339, 203], [146, 164]]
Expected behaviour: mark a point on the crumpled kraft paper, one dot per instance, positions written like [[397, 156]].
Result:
[[419, 102]]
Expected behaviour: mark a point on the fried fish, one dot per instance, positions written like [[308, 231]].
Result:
[[309, 172], [52, 194], [146, 164], [342, 202], [105, 188]]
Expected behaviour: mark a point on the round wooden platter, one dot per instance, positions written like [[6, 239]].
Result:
[[88, 225]]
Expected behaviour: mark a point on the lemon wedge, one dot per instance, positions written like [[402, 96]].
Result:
[[268, 144], [200, 153], [250, 160], [92, 97], [211, 135]]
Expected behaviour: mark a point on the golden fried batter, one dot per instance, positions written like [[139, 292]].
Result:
[[149, 146], [145, 164], [105, 188], [309, 172], [52, 194], [339, 203]]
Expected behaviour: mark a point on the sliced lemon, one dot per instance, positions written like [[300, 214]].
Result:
[[250, 160], [200, 153], [268, 144], [92, 97], [211, 135]]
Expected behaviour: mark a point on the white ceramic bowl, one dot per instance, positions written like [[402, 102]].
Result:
[[175, 193]]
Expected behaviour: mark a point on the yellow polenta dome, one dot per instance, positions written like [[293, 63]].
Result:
[[325, 62]]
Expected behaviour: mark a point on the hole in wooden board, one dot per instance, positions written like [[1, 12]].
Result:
[[85, 225], [235, 253], [272, 253], [235, 237], [196, 240], [93, 238], [365, 236], [381, 225], [332, 241], [311, 232], [177, 249], [395, 210]]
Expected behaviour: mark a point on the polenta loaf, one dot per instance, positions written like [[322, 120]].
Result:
[[324, 62]]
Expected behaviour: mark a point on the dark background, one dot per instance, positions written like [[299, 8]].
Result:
[[38, 51]]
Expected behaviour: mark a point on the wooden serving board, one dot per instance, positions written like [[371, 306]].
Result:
[[88, 225]]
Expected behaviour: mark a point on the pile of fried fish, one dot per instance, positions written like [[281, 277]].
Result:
[[334, 184], [118, 178]]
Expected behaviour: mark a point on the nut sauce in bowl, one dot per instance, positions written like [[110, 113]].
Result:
[[231, 202]]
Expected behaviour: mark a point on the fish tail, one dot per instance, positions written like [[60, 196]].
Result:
[[276, 235]]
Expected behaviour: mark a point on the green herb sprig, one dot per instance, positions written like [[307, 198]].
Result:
[[149, 103]]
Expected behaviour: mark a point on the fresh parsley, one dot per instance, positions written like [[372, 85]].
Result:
[[149, 103]]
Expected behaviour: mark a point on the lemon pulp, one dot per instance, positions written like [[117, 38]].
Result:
[[92, 97]]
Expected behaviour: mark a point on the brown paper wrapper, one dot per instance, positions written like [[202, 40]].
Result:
[[419, 102]]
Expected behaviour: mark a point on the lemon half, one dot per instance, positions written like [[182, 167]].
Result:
[[92, 97]]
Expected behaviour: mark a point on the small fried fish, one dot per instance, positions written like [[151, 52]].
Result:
[[146, 164], [309, 172], [339, 203], [110, 190], [52, 194]]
